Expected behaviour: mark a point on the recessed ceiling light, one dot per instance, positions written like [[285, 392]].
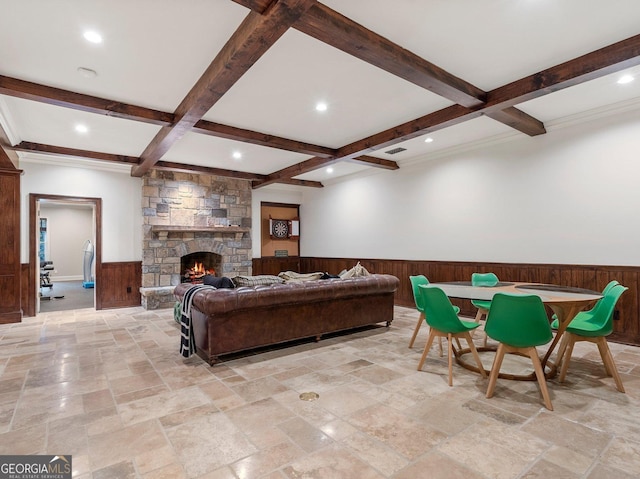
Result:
[[237, 155], [329, 170], [625, 79], [428, 139], [92, 36], [321, 106], [80, 128], [87, 72]]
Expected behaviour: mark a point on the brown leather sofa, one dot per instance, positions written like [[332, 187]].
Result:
[[232, 320]]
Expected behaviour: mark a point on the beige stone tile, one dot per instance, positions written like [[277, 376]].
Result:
[[133, 383], [375, 453], [161, 405], [306, 436], [29, 440], [208, 444], [338, 429], [257, 389], [558, 431], [438, 466], [267, 460], [332, 462], [406, 436], [569, 459], [606, 472], [152, 460], [544, 470], [121, 470], [343, 401], [265, 412], [123, 444], [170, 471], [623, 454]]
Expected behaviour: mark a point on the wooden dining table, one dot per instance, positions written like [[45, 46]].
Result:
[[564, 301]]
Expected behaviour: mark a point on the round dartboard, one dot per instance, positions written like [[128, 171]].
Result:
[[280, 229]]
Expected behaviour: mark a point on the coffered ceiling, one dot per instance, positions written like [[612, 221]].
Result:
[[185, 85]]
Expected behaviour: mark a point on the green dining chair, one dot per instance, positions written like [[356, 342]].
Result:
[[445, 323], [582, 314], [483, 280], [519, 323], [593, 326], [416, 281]]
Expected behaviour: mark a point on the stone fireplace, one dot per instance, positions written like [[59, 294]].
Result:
[[196, 216]]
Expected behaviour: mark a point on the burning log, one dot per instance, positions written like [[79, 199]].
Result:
[[197, 272]]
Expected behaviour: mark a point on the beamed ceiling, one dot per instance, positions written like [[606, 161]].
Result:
[[185, 85]]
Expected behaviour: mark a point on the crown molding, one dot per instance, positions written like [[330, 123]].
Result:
[[73, 162]]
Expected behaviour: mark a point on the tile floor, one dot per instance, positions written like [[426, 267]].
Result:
[[110, 388]]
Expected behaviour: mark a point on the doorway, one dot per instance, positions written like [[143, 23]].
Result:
[[69, 287]]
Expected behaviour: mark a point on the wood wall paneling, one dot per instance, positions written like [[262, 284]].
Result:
[[626, 316], [10, 281], [119, 284]]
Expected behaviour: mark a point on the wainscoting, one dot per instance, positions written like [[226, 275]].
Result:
[[117, 286], [626, 316]]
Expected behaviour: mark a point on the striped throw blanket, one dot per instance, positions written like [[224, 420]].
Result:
[[187, 341]]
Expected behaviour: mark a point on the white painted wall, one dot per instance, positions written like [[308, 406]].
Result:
[[569, 196], [68, 228], [121, 201]]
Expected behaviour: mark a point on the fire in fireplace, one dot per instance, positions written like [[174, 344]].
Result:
[[195, 266]]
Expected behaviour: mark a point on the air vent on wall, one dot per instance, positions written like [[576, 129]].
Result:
[[395, 150]]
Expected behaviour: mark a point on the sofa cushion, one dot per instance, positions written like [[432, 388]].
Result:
[[262, 279]]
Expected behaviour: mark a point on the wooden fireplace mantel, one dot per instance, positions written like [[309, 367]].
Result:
[[164, 230]]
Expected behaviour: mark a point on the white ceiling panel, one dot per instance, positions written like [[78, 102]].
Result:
[[490, 43], [51, 125], [151, 55], [279, 93], [204, 150]]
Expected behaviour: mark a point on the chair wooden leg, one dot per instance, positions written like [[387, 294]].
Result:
[[602, 348], [537, 366], [440, 345], [476, 356], [432, 335], [495, 370], [566, 356], [607, 359], [561, 349], [477, 319], [415, 331], [450, 354], [458, 343]]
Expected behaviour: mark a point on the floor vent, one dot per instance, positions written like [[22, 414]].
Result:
[[395, 150]]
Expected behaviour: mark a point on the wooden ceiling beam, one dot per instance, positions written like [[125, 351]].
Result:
[[263, 139], [518, 120], [78, 101], [243, 175], [374, 162], [255, 35], [601, 62], [604, 61], [63, 151], [332, 28], [342, 33]]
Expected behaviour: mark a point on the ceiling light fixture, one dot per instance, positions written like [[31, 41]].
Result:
[[329, 170], [321, 106], [428, 139], [87, 72], [80, 128], [625, 79], [92, 36], [237, 155]]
